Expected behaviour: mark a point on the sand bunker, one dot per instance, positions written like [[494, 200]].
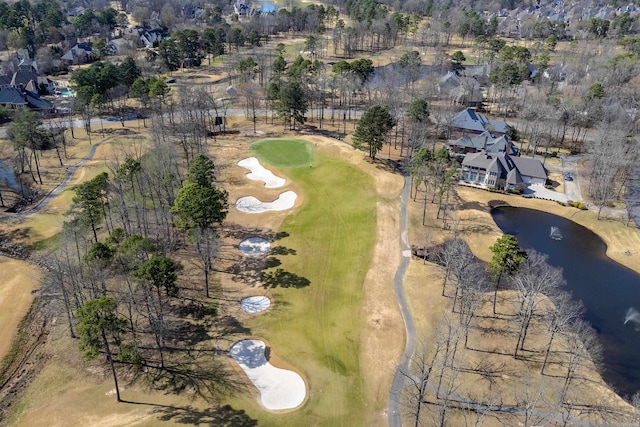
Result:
[[259, 173], [255, 304], [279, 388], [250, 204], [255, 246]]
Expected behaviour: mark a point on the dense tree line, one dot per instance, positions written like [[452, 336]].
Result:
[[117, 280]]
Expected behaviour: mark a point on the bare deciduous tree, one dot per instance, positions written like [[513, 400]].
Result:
[[534, 279], [582, 350], [557, 317]]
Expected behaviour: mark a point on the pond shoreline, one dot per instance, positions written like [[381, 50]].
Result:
[[607, 288]]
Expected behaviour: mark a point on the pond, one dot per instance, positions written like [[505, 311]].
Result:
[[266, 6], [608, 290], [8, 176]]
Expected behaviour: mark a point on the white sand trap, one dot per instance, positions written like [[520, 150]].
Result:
[[255, 304], [279, 388], [260, 173], [255, 246], [250, 204]]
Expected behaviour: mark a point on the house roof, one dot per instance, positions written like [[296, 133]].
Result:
[[514, 177], [504, 165], [478, 160], [15, 97], [475, 141], [12, 96], [530, 167], [499, 145], [464, 94], [487, 142], [470, 120], [80, 50], [23, 77]]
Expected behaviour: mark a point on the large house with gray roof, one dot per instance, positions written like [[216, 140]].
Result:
[[13, 97], [483, 142], [500, 170], [469, 121]]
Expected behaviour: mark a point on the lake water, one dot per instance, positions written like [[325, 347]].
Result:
[[607, 289]]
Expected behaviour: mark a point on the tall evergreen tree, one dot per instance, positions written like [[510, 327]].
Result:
[[372, 129]]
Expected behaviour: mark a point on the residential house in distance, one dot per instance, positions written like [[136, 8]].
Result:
[[500, 170], [151, 38], [461, 90], [469, 121], [26, 76], [120, 46], [483, 142], [14, 97], [81, 53]]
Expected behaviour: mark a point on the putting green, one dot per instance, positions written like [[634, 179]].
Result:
[[316, 326], [283, 152]]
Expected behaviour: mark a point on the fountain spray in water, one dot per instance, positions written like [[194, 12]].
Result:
[[632, 315], [555, 233]]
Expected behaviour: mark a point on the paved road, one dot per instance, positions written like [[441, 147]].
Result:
[[394, 411]]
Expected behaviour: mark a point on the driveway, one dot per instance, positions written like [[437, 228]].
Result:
[[540, 192], [572, 188]]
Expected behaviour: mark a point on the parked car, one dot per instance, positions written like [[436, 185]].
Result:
[[568, 177]]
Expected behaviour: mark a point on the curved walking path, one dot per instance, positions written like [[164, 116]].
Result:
[[394, 413], [71, 171]]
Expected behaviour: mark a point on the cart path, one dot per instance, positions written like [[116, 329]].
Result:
[[71, 170], [395, 393]]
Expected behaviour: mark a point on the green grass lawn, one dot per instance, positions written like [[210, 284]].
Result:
[[289, 153], [316, 328]]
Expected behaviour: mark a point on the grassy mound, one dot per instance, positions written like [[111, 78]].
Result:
[[317, 290], [291, 153]]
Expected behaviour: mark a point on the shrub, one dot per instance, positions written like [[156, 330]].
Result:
[[569, 202], [514, 191], [548, 186], [575, 150], [611, 205], [554, 154], [579, 205], [561, 203]]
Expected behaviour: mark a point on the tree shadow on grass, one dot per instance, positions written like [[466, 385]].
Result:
[[472, 206], [283, 250], [229, 325], [196, 309], [238, 232], [188, 334], [225, 416], [283, 279]]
